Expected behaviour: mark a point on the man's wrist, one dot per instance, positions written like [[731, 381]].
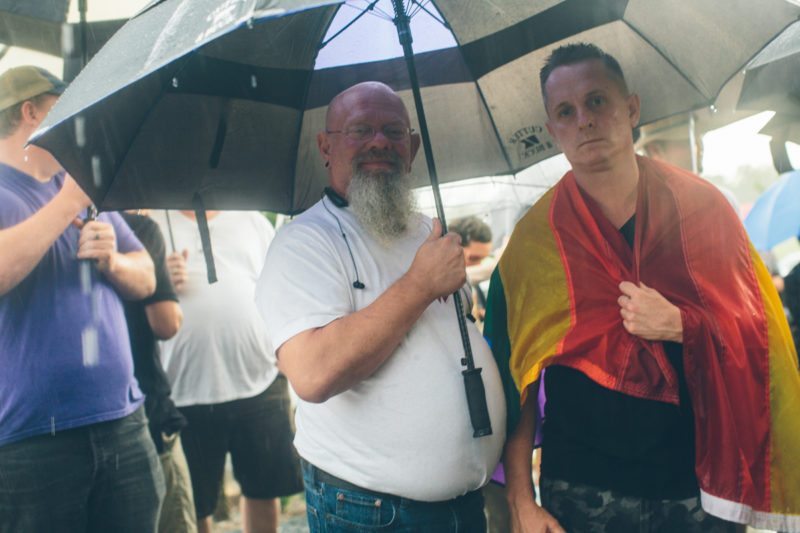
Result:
[[414, 286], [677, 321], [519, 494]]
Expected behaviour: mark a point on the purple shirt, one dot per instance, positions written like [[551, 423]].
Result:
[[44, 385]]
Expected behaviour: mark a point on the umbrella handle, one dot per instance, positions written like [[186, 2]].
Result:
[[87, 270], [473, 383], [476, 403]]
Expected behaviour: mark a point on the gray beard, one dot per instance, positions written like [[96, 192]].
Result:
[[382, 202]]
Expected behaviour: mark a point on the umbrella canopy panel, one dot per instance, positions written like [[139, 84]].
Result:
[[784, 126], [772, 79], [225, 99], [34, 25], [42, 26]]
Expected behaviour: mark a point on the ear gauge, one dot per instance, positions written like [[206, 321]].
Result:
[[327, 164]]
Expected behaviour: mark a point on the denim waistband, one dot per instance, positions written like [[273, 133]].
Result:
[[321, 476]]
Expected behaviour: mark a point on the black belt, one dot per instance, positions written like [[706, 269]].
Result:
[[329, 479]]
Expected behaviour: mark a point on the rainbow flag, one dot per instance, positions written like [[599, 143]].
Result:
[[553, 300]]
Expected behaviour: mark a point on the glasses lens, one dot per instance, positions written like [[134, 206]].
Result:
[[365, 132], [395, 132], [360, 132]]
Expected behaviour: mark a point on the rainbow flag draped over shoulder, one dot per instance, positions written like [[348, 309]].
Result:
[[553, 300]]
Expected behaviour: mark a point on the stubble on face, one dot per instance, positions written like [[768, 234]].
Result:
[[590, 114], [382, 201]]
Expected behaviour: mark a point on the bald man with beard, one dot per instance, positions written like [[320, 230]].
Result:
[[354, 294]]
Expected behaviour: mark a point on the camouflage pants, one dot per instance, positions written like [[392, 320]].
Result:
[[584, 509]]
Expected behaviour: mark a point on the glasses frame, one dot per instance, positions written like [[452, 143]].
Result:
[[348, 133]]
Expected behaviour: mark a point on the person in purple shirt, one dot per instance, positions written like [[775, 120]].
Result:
[[75, 453]]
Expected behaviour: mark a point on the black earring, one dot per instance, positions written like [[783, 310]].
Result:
[[327, 164]]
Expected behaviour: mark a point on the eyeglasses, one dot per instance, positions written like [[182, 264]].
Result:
[[365, 132]]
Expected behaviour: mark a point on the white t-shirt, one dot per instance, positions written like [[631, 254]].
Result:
[[221, 352], [405, 430]]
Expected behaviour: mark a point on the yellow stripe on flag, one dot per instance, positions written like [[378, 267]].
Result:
[[784, 382], [539, 307]]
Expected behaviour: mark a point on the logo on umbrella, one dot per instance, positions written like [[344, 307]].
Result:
[[528, 142]]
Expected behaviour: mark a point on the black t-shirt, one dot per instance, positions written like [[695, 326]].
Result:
[[606, 439], [161, 411]]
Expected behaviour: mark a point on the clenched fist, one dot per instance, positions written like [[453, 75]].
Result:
[[647, 314], [438, 268], [99, 243], [176, 265]]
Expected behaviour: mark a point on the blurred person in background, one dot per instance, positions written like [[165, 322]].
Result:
[[789, 288], [670, 140], [222, 369], [158, 317], [476, 241]]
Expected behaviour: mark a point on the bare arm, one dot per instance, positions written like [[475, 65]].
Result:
[[526, 514], [23, 246], [326, 361], [165, 318], [132, 274]]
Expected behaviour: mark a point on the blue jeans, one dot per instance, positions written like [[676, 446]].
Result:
[[101, 477], [333, 509]]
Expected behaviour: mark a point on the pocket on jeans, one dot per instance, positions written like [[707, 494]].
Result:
[[358, 511], [313, 519]]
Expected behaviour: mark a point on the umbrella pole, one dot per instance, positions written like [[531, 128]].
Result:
[[780, 157], [473, 382], [693, 143], [82, 8], [88, 275], [169, 229]]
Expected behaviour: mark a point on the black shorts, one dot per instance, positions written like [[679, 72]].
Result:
[[258, 433]]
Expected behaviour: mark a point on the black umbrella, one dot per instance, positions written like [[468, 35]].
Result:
[[200, 103], [772, 81], [782, 127], [225, 99], [785, 126], [772, 78], [34, 25]]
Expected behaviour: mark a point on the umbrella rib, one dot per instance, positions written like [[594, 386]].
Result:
[[376, 9], [433, 16], [366, 10], [668, 60], [483, 100]]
